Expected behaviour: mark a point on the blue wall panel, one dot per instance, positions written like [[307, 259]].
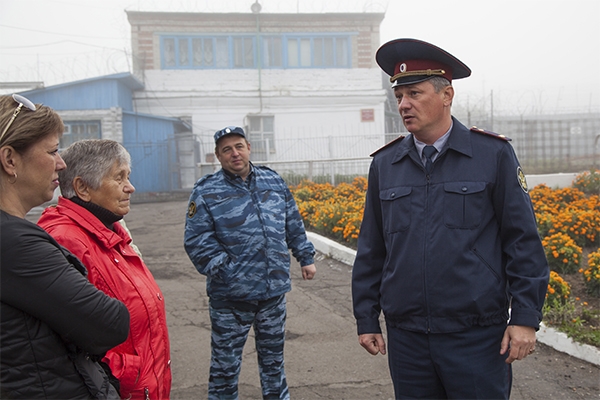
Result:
[[150, 167], [150, 141], [141, 128]]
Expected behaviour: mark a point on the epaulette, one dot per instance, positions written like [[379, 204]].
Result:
[[399, 138], [260, 166], [202, 179], [490, 133]]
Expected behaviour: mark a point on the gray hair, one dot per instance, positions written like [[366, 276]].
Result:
[[91, 160], [438, 82]]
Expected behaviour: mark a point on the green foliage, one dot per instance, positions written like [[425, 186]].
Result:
[[562, 253], [588, 182], [591, 275]]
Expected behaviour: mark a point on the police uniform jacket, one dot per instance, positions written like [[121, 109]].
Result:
[[142, 362], [449, 250], [47, 306], [238, 233]]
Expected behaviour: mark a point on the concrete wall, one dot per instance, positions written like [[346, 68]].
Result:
[[304, 103], [111, 120], [553, 181]]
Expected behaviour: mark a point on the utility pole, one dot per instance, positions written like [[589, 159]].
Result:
[[255, 8]]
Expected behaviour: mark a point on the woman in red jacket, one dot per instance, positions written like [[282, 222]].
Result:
[[96, 194]]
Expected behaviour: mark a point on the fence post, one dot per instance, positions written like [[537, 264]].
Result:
[[332, 174], [267, 150]]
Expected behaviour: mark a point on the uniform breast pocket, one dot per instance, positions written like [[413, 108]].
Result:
[[395, 204], [463, 204]]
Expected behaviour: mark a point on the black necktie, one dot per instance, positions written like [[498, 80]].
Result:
[[428, 151]]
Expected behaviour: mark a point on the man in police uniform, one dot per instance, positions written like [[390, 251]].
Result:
[[447, 244]]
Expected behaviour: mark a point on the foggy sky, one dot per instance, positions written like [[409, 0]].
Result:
[[532, 56]]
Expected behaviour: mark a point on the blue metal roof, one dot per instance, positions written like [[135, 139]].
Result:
[[125, 78], [89, 94], [150, 139]]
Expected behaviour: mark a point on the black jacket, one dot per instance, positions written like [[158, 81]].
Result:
[[47, 303]]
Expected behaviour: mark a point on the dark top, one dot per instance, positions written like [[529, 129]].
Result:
[[46, 302], [450, 249]]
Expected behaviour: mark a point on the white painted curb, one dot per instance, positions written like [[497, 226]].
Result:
[[561, 342], [546, 335], [332, 249]]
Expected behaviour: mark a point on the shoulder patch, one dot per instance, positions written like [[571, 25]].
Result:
[[490, 133], [522, 180], [191, 209], [399, 138]]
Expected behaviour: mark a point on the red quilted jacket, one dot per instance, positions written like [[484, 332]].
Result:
[[142, 362]]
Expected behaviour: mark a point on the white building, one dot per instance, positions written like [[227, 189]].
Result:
[[288, 79]]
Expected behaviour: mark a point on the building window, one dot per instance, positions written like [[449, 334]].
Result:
[[272, 54], [222, 60], [299, 54], [184, 58], [342, 53], [261, 135], [277, 51], [243, 52], [79, 130], [207, 52], [318, 52]]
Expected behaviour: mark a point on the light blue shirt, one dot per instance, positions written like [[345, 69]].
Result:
[[438, 144]]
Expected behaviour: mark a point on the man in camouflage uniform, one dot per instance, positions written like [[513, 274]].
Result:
[[241, 221]]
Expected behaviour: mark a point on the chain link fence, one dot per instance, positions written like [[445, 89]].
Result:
[[544, 144]]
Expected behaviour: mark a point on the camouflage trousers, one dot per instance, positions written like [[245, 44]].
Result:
[[231, 322]]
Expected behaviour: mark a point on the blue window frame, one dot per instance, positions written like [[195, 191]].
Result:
[[239, 51], [272, 52], [183, 52], [318, 52]]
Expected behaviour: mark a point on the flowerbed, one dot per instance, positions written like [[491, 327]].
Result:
[[333, 211], [568, 222]]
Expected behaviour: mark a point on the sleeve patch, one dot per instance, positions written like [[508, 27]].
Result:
[[191, 209], [522, 180]]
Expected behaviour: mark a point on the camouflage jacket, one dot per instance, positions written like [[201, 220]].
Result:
[[238, 233]]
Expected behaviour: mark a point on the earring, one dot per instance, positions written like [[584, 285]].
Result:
[[13, 182]]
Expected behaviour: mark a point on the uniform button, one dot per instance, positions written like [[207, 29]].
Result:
[[464, 189], [117, 261], [393, 194]]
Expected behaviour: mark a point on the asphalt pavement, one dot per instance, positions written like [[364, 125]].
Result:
[[323, 359]]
